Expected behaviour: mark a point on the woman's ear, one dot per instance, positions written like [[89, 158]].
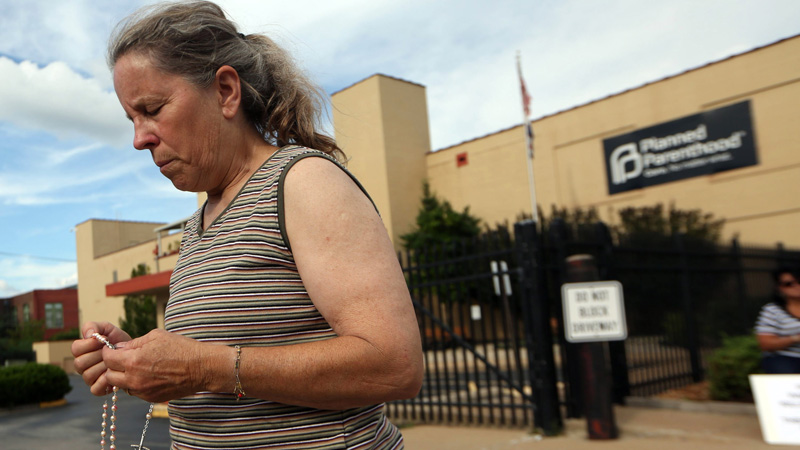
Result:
[[229, 90]]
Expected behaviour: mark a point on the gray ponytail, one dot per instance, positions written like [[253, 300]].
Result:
[[195, 39]]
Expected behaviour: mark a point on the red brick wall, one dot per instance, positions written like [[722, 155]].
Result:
[[39, 297]]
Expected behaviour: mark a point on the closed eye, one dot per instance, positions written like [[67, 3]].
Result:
[[153, 111]]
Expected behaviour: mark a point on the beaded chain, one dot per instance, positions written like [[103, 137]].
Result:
[[113, 428]]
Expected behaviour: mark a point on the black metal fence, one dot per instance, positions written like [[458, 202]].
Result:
[[489, 312], [680, 301], [475, 358], [485, 355]]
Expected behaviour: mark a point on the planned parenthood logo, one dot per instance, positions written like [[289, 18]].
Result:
[[701, 144]]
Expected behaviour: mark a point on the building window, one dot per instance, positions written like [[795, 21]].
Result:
[[26, 312], [54, 315]]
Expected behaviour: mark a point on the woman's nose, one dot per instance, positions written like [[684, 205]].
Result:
[[144, 138]]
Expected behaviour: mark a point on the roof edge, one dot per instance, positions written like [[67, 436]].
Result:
[[378, 75], [590, 102]]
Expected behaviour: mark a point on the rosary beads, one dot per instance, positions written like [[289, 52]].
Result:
[[113, 417], [113, 427]]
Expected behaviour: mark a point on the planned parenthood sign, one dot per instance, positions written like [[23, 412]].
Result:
[[700, 144]]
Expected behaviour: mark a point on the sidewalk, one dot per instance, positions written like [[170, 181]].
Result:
[[644, 423]]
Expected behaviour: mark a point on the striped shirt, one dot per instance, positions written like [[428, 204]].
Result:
[[236, 283], [775, 320]]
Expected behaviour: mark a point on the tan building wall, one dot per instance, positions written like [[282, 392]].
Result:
[[758, 202], [58, 353], [493, 182], [382, 125], [100, 263]]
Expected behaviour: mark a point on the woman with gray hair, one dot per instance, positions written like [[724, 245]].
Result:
[[289, 322]]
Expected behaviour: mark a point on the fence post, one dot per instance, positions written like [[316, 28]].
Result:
[[596, 380], [688, 310], [620, 383], [570, 368], [538, 335], [741, 288]]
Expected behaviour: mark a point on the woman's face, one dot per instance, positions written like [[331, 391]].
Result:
[[788, 285], [177, 121]]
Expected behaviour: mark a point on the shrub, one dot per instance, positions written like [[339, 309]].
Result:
[[15, 350], [729, 367], [140, 310], [66, 335], [32, 383]]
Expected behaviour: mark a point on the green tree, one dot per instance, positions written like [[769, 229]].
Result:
[[653, 244], [579, 220], [29, 331], [438, 223], [140, 310], [19, 343], [441, 235], [676, 238], [645, 226], [655, 226]]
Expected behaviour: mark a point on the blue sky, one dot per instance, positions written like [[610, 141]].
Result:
[[65, 145]]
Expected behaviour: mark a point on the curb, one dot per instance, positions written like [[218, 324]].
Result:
[[160, 411], [32, 407], [577, 427], [53, 404], [748, 409]]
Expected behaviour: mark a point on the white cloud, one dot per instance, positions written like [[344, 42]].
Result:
[[29, 274], [57, 100], [50, 185], [577, 52], [60, 157], [45, 31], [7, 290]]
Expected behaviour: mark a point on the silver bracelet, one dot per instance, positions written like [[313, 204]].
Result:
[[238, 391]]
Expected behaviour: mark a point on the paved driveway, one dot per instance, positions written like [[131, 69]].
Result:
[[76, 425]]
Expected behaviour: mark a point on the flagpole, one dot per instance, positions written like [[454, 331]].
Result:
[[528, 143]]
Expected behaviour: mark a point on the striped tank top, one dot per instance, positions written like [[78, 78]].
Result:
[[236, 283], [773, 319]]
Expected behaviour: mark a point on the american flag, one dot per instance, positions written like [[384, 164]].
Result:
[[526, 107], [526, 98]]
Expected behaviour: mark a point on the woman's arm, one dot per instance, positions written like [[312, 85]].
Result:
[[351, 272], [773, 342]]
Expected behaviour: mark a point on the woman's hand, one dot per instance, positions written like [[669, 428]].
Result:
[[162, 366], [89, 357]]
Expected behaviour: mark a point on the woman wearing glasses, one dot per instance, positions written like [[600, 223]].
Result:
[[778, 325]]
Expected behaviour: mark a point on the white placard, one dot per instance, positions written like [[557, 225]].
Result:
[[594, 311], [778, 404], [475, 312], [502, 267]]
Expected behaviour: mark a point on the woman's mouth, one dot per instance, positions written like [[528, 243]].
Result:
[[163, 164]]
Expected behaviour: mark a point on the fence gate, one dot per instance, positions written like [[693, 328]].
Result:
[[487, 343]]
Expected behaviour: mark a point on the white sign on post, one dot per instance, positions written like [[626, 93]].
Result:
[[778, 404], [594, 311]]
